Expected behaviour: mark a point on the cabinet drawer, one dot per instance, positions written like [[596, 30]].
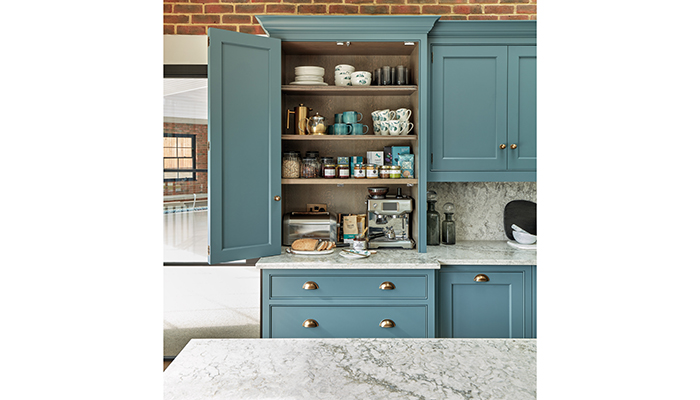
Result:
[[349, 322], [349, 286]]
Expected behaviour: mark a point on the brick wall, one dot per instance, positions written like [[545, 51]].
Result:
[[193, 17], [199, 185]]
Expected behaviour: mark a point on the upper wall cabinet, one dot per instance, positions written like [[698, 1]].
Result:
[[250, 92], [483, 101]]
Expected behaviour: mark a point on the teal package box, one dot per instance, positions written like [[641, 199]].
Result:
[[355, 160], [398, 150], [343, 160]]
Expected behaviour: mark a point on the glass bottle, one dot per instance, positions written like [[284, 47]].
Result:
[[448, 225], [433, 234]]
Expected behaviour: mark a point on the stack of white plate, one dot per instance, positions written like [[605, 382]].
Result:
[[309, 75]]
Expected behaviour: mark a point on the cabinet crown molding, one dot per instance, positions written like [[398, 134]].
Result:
[[485, 29], [346, 26]]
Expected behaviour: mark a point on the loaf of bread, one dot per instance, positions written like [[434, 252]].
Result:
[[305, 244]]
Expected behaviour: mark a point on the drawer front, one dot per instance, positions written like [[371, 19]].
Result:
[[349, 286], [349, 322]]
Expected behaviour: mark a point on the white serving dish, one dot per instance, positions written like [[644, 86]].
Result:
[[307, 78], [309, 70]]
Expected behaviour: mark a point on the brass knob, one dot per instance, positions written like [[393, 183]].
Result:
[[387, 323], [310, 285], [277, 198], [513, 146], [481, 278], [387, 286], [502, 146], [310, 323]]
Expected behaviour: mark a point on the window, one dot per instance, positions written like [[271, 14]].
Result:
[[178, 157]]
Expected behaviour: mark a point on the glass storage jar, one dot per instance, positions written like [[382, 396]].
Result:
[[371, 171], [309, 168], [291, 165], [384, 171], [358, 171], [329, 171], [394, 172], [343, 171]]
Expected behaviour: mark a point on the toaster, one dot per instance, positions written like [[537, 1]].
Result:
[[316, 225]]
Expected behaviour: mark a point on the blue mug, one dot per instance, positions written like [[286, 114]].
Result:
[[359, 129], [350, 117], [339, 118], [342, 129]]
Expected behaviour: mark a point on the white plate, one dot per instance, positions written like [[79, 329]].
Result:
[[309, 70], [354, 253], [310, 253], [304, 78], [520, 246], [309, 83]]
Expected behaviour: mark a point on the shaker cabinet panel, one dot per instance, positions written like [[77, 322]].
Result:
[[244, 163], [469, 103], [485, 302], [522, 107]]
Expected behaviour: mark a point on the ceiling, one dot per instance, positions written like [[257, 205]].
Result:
[[185, 98]]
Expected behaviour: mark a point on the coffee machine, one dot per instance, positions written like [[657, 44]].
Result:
[[388, 219]]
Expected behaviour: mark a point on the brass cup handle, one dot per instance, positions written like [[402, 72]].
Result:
[[513, 146], [502, 146], [309, 323], [481, 278], [310, 285], [277, 198], [387, 323], [387, 286]]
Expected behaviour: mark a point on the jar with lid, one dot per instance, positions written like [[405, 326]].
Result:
[[329, 171], [358, 171], [371, 171], [384, 171], [309, 168], [394, 171], [343, 171], [291, 165]]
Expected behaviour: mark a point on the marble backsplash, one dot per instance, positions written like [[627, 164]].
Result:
[[479, 205]]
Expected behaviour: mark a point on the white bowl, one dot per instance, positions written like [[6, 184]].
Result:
[[309, 70], [524, 238], [344, 67], [364, 74], [343, 83]]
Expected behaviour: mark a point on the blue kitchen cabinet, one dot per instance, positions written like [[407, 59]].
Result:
[[337, 303], [477, 301], [483, 101], [250, 91]]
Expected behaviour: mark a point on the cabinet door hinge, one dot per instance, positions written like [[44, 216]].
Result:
[[208, 250], [208, 41], [431, 160], [208, 146], [431, 56]]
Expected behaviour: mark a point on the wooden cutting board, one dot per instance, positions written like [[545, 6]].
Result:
[[522, 213]]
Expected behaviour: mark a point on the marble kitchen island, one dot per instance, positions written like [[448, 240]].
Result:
[[353, 369]]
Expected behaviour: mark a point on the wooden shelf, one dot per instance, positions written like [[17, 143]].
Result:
[[332, 90], [350, 181], [349, 138]]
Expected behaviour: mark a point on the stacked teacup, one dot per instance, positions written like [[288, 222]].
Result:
[[392, 122], [343, 74]]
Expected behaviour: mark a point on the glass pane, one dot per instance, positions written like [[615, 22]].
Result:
[[185, 163], [170, 163], [185, 201], [169, 152]]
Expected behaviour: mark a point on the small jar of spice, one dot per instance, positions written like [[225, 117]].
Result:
[[371, 171], [329, 171], [343, 171], [358, 171]]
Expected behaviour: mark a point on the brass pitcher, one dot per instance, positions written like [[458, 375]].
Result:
[[300, 115]]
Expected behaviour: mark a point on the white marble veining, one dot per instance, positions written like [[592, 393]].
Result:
[[480, 205], [354, 369], [384, 259], [470, 252]]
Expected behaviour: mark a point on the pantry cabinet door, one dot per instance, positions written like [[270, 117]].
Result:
[[522, 107], [245, 156]]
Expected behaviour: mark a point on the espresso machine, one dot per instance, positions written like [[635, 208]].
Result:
[[388, 219]]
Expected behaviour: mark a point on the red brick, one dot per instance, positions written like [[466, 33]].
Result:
[[218, 9], [252, 29], [168, 29], [529, 9], [312, 9], [187, 9], [176, 19], [167, 8], [191, 30], [236, 19], [374, 9], [514, 1], [250, 8], [342, 9], [499, 9], [235, 1], [467, 10], [281, 8], [436, 10], [199, 1], [421, 1], [484, 1], [206, 19], [454, 1], [390, 1], [405, 9], [265, 1], [518, 17], [482, 17], [297, 1], [368, 2], [453, 17], [233, 28]]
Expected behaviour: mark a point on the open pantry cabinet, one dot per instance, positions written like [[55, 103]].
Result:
[[250, 93]]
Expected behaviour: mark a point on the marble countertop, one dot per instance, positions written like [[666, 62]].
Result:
[[487, 252], [354, 369]]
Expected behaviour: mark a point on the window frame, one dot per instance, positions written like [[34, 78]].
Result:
[[192, 170]]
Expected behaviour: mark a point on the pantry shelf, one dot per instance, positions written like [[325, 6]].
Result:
[[350, 137], [351, 90], [351, 181]]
